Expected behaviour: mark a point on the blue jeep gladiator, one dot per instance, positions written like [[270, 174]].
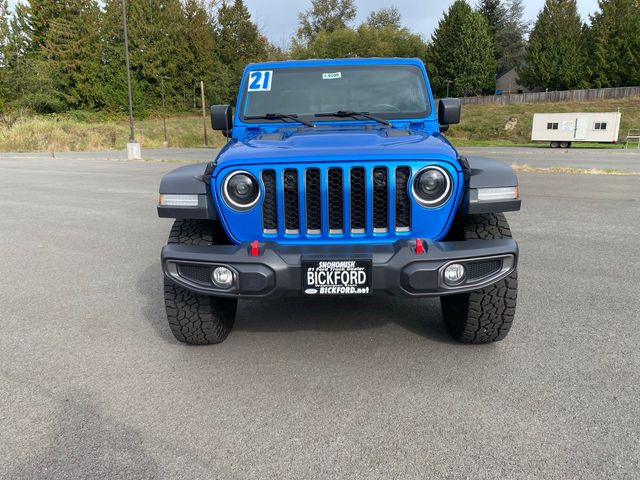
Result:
[[337, 180]]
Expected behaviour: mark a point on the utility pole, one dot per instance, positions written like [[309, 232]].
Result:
[[133, 147], [448, 83], [204, 114], [164, 114]]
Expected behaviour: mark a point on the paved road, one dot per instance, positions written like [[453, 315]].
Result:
[[625, 160], [92, 385]]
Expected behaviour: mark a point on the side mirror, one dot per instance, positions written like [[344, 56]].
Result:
[[448, 112], [222, 119]]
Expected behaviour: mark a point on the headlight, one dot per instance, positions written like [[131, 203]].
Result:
[[431, 187], [240, 190]]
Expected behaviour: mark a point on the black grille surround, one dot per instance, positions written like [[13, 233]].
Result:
[[269, 206], [358, 204], [291, 207], [336, 200], [313, 191]]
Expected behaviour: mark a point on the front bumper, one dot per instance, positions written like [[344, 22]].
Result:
[[397, 269]]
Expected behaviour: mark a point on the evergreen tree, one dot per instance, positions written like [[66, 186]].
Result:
[[239, 42], [204, 62], [158, 52], [325, 15], [385, 17], [554, 56], [71, 47], [494, 12], [5, 33], [509, 39], [614, 41], [461, 53]]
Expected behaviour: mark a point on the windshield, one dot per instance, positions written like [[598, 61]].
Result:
[[387, 91]]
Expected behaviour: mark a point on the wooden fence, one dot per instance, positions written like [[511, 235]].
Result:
[[558, 96]]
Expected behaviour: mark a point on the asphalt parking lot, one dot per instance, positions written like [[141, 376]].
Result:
[[93, 385]]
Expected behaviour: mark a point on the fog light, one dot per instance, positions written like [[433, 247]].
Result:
[[453, 274], [222, 277]]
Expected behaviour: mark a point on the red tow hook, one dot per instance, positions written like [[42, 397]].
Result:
[[255, 249], [419, 246]]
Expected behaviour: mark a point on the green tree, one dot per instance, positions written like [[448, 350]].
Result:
[[554, 56], [158, 48], [325, 15], [71, 47], [494, 12], [5, 35], [509, 39], [239, 42], [508, 31], [365, 41], [614, 41], [203, 50], [461, 53], [385, 17]]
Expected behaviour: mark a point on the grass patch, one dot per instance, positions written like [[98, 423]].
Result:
[[481, 126], [81, 132], [571, 170]]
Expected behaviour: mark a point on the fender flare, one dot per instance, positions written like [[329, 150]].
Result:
[[488, 173], [188, 180]]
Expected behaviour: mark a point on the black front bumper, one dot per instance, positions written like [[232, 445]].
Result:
[[396, 268]]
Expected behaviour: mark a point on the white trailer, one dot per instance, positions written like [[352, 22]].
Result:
[[563, 129]]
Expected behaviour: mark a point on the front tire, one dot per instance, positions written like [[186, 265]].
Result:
[[485, 315], [197, 319]]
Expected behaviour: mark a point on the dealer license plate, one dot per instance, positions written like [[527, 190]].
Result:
[[336, 277]]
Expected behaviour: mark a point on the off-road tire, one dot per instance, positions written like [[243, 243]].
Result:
[[193, 318], [485, 315]]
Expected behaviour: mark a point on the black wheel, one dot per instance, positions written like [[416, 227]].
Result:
[[485, 315], [554, 144], [197, 319], [565, 144]]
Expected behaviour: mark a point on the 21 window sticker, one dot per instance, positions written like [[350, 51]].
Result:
[[260, 81]]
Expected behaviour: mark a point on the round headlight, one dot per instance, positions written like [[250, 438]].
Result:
[[240, 190], [431, 187]]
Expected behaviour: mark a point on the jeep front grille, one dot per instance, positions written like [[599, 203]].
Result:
[[336, 201]]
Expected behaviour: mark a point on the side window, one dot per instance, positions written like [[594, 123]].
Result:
[[552, 126], [600, 126]]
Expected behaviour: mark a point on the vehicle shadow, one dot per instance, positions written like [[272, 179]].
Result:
[[330, 314]]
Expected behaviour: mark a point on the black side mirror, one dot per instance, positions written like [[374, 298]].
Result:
[[222, 119], [448, 112]]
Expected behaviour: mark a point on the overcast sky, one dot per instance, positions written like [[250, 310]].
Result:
[[278, 19]]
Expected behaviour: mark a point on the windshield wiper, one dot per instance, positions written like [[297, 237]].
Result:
[[351, 113], [280, 116]]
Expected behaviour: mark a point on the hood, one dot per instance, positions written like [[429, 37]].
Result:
[[306, 144]]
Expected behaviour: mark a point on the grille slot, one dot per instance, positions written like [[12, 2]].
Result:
[[269, 205], [403, 202], [336, 198], [479, 270], [291, 204], [358, 200], [380, 200], [314, 200]]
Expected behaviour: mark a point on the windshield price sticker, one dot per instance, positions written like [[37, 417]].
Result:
[[339, 277], [331, 76], [260, 81]]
